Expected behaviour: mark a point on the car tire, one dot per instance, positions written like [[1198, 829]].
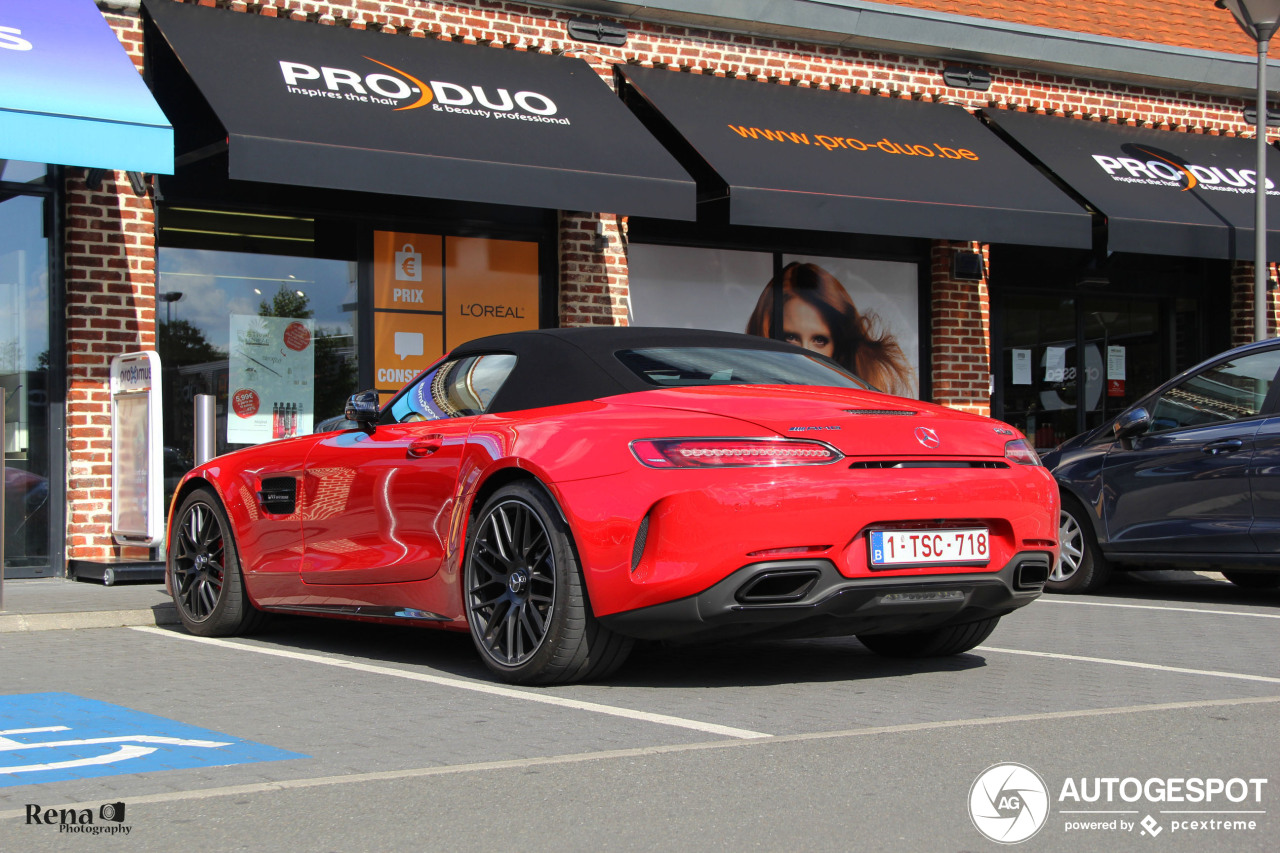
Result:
[[1081, 568], [951, 640], [1254, 580], [526, 602], [204, 571]]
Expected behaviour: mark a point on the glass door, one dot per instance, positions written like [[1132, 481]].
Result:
[[1072, 361], [24, 368]]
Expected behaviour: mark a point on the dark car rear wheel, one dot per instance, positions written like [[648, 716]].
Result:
[[1254, 580], [951, 640], [1081, 567], [527, 604], [204, 571]]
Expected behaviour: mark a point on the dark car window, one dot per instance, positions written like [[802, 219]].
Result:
[[1225, 392], [454, 389], [684, 366]]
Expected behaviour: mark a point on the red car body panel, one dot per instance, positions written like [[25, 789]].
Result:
[[377, 524]]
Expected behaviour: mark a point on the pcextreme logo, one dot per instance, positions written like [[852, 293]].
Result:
[[1154, 168], [404, 91]]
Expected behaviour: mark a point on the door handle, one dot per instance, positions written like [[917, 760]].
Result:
[[1214, 448], [425, 446]]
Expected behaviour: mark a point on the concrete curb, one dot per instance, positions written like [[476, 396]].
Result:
[[161, 614]]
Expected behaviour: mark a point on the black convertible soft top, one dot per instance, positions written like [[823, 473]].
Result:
[[559, 366]]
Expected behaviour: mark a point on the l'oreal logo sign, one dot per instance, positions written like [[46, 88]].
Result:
[[1160, 170], [407, 92]]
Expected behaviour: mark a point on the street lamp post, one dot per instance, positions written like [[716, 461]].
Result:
[[169, 298], [1259, 19]]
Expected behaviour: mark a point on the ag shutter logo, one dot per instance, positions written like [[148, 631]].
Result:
[[404, 91], [1152, 167], [1009, 803]]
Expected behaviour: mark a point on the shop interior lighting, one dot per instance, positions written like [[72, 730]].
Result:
[[243, 227], [291, 280]]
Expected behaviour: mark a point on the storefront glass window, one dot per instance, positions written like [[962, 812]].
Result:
[[22, 171], [1053, 389], [280, 329], [24, 366], [862, 313]]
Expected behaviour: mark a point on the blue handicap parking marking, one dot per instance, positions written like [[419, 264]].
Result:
[[52, 737]]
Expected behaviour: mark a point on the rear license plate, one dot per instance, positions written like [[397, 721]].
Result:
[[967, 546]]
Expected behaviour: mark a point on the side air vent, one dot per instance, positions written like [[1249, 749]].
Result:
[[778, 587], [279, 495], [637, 550], [889, 412], [929, 463]]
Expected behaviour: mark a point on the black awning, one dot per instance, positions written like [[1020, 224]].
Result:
[[805, 158], [1161, 192], [333, 107]]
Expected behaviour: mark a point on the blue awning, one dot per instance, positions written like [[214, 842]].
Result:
[[69, 94]]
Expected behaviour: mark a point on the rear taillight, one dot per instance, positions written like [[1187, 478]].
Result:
[[732, 452], [1021, 452]]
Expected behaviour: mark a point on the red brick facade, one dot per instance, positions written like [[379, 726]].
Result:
[[111, 247]]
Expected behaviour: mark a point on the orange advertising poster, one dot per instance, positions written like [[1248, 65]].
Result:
[[404, 345], [491, 287], [407, 270]]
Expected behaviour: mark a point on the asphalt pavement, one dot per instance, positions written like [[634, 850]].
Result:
[[321, 735]]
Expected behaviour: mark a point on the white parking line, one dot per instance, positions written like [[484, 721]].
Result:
[[1132, 663], [475, 686], [642, 752], [1156, 607]]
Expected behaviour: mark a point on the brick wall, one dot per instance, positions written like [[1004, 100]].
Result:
[[593, 270], [961, 331], [1242, 304], [110, 282]]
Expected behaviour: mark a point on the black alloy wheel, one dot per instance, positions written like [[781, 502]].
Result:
[[204, 571], [513, 582], [525, 599]]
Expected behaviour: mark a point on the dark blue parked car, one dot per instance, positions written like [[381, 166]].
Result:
[[1187, 477]]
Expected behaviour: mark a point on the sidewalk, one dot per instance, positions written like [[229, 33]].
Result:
[[47, 604]]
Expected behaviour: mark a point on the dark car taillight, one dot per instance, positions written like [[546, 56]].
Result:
[[732, 452]]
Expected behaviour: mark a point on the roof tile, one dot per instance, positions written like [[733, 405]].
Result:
[[1195, 24]]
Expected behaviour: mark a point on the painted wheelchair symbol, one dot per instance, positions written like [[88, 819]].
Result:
[[130, 746]]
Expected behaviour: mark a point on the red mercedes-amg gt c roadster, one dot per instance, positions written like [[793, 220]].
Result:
[[561, 493]]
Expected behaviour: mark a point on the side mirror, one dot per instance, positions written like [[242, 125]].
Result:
[[1131, 423], [363, 409]]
